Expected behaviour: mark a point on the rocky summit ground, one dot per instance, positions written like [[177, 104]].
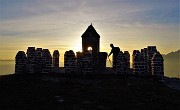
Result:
[[108, 92]]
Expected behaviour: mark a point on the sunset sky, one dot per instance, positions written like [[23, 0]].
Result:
[[59, 24]]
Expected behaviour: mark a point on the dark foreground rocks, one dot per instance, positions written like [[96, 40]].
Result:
[[108, 92]]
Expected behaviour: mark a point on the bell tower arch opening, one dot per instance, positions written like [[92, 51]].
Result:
[[89, 48]]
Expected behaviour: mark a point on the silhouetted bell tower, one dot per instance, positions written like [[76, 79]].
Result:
[[90, 38]]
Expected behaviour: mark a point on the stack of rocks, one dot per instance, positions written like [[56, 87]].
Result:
[[87, 65], [133, 56], [122, 66], [31, 60], [144, 53], [157, 64], [56, 58], [38, 60], [127, 57], [102, 60], [20, 63], [69, 62], [79, 60], [46, 61], [150, 52], [148, 62], [139, 64]]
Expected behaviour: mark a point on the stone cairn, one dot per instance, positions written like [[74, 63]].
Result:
[[127, 58], [148, 62], [31, 59], [38, 60], [69, 62], [150, 52], [46, 61], [139, 64], [56, 56], [20, 63], [157, 64], [133, 56], [102, 56], [145, 57], [122, 66], [79, 56], [35, 61], [87, 63]]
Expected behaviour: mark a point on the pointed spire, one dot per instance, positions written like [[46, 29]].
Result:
[[90, 32]]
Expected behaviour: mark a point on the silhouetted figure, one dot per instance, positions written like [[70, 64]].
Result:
[[115, 51]]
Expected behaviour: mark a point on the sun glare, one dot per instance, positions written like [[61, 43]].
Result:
[[78, 48], [89, 48]]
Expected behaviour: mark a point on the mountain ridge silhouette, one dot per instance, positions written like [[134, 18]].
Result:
[[172, 63]]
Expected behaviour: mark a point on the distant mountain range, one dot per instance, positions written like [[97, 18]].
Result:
[[172, 64]]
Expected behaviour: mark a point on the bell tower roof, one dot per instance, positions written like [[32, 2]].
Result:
[[90, 32]]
